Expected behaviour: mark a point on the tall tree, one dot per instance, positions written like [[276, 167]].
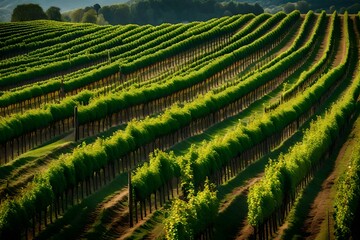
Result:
[[27, 12], [97, 8], [53, 13]]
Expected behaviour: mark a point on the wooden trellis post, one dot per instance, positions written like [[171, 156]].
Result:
[[130, 201], [76, 124]]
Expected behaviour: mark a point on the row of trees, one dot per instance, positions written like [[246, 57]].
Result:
[[330, 6], [140, 12], [86, 15], [304, 6], [28, 12], [159, 11]]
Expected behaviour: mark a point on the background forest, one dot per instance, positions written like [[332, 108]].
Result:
[[160, 11]]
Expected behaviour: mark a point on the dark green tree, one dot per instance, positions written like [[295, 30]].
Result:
[[27, 12], [139, 12], [116, 14], [53, 13], [97, 8]]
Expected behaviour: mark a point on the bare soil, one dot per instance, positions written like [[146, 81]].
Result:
[[341, 49], [119, 214]]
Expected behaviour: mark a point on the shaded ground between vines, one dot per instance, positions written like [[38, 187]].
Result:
[[66, 227]]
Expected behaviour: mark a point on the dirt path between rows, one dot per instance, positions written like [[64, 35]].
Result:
[[289, 43], [341, 51], [118, 214], [241, 190], [15, 178]]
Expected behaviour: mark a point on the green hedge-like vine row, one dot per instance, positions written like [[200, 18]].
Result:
[[160, 169], [347, 197], [32, 120], [187, 219]]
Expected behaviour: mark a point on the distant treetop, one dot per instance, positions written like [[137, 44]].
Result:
[[174, 11], [97, 8], [28, 12], [53, 13]]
